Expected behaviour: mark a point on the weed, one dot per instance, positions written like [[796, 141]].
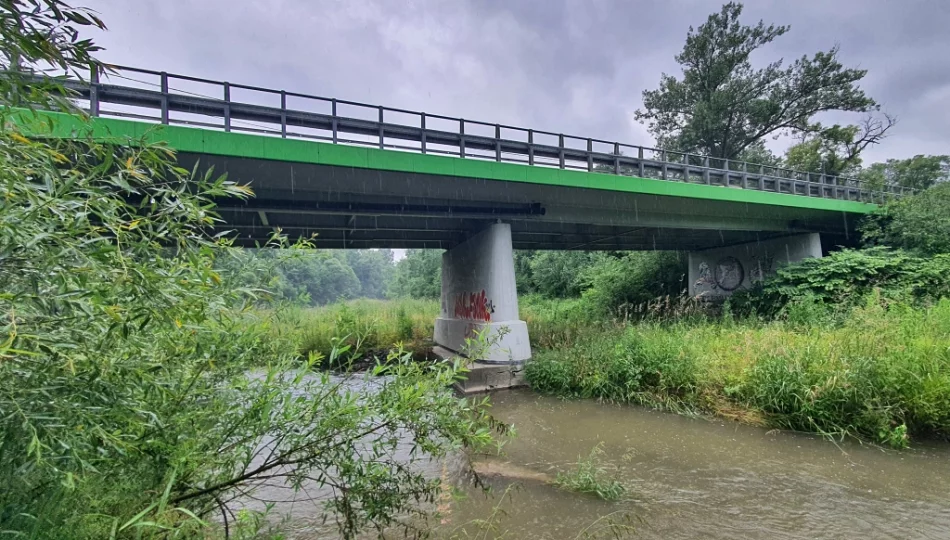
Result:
[[589, 477]]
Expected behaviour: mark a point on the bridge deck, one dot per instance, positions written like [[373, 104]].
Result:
[[367, 191]]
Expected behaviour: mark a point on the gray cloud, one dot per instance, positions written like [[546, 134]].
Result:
[[571, 66]]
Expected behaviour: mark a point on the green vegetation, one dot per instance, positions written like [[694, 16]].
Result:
[[722, 106], [141, 394], [920, 223], [877, 371], [589, 477]]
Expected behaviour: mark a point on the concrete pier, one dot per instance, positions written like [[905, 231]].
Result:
[[479, 298]]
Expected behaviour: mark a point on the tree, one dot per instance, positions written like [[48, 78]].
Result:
[[559, 274], [317, 276], [418, 275], [836, 150], [721, 106], [920, 223], [919, 172], [373, 268], [757, 153]]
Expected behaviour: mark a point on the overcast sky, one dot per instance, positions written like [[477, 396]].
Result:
[[571, 66]]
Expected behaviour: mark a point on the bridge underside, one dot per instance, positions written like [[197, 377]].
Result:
[[354, 208]]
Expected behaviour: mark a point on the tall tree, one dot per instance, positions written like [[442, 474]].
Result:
[[721, 105], [836, 150]]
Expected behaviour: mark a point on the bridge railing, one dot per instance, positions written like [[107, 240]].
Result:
[[160, 97]]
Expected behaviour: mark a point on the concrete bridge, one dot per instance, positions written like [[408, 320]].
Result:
[[363, 176]]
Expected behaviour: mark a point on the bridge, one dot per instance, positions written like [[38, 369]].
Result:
[[354, 175]]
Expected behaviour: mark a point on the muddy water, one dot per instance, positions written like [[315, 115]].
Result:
[[692, 478]]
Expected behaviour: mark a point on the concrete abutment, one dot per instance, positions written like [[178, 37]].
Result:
[[717, 273]]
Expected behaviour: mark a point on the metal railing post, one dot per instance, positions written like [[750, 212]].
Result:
[[590, 155], [686, 167], [94, 91], [640, 158], [530, 147], [745, 175], [706, 178], [461, 138], [560, 151], [334, 124], [423, 126], [497, 142], [164, 87], [227, 106], [663, 164], [616, 158], [381, 135], [283, 114]]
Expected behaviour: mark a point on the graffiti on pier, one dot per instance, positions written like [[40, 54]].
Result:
[[474, 306]]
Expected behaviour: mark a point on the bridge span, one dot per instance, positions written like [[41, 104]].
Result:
[[353, 175]]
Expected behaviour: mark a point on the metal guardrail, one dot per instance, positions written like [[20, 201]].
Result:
[[175, 106]]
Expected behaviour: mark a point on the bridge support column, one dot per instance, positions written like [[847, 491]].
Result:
[[479, 297], [716, 273]]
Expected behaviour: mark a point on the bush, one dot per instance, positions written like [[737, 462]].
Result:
[[920, 223], [635, 278], [844, 278]]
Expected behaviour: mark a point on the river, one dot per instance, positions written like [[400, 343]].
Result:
[[696, 478], [684, 478]]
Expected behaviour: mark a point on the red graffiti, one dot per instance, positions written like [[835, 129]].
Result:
[[474, 306]]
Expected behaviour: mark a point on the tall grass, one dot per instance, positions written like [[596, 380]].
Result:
[[366, 325], [882, 372]]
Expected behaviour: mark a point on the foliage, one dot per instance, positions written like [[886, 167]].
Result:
[[634, 278], [138, 394], [919, 172], [759, 154], [309, 276], [613, 365], [835, 150], [880, 371], [43, 35], [364, 325], [845, 277], [560, 274], [589, 477], [418, 275], [315, 277], [920, 223], [722, 105], [373, 268]]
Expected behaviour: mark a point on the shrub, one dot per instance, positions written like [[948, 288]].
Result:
[[635, 278], [920, 223], [844, 278]]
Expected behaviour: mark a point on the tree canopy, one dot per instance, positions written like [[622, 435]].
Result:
[[722, 105]]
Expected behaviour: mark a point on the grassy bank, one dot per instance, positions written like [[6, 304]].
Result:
[[880, 371]]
